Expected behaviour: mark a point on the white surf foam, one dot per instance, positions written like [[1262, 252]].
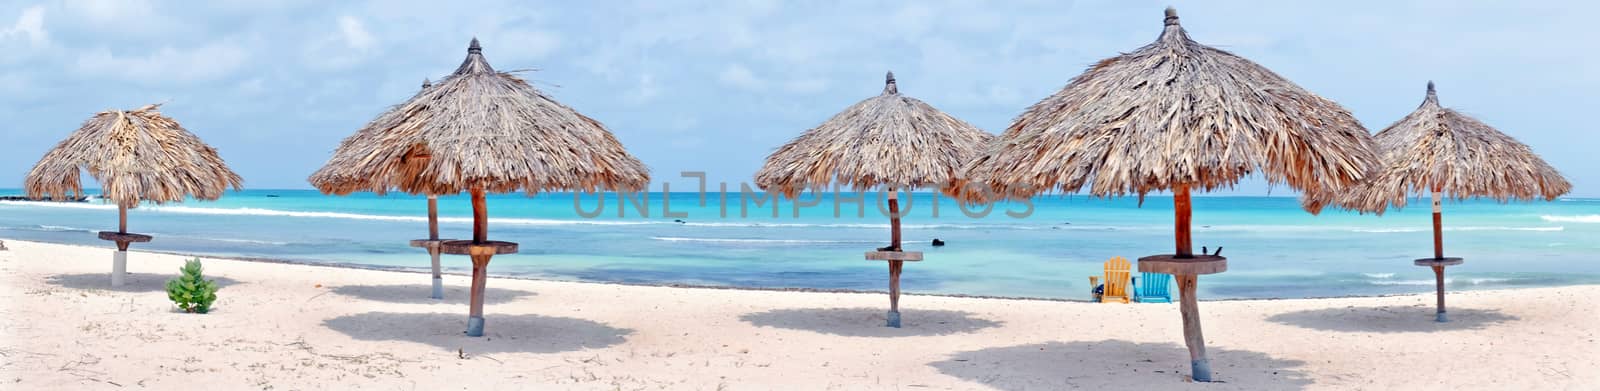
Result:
[[757, 241], [1571, 219]]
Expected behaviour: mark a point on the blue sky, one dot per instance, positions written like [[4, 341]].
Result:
[[714, 86]]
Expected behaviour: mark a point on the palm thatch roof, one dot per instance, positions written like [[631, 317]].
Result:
[[480, 128], [1436, 148], [1175, 112], [888, 140], [136, 155]]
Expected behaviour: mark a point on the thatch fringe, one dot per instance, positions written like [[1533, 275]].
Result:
[[135, 155], [1439, 148], [889, 140], [1175, 112], [481, 128]]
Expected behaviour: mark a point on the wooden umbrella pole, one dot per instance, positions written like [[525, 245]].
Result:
[[480, 216], [119, 259], [895, 266], [480, 261], [1188, 301], [1181, 207], [433, 246], [433, 217], [1438, 226], [1438, 251], [894, 219]]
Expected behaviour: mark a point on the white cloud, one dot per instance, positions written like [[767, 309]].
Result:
[[29, 25], [349, 44], [355, 34], [209, 62], [643, 92], [739, 76]]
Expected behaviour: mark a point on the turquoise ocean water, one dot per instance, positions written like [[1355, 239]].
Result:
[[1274, 248]]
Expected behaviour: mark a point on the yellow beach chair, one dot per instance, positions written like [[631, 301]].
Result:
[[1117, 277]]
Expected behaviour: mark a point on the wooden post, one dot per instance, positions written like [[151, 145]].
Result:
[[480, 260], [1438, 250], [1438, 279], [895, 266], [1181, 207], [894, 285], [894, 219], [438, 278], [1438, 226], [1188, 303], [480, 279], [480, 216], [433, 219], [122, 218]]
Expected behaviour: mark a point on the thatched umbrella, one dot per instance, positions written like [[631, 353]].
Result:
[[136, 155], [1175, 115], [1439, 150], [889, 141], [480, 131]]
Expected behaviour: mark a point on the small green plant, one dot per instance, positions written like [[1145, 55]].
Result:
[[190, 291]]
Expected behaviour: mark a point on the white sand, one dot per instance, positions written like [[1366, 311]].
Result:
[[287, 327]]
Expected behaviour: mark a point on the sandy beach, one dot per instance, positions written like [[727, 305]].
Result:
[[290, 327]]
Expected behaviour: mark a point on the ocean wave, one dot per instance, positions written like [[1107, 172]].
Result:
[[246, 241], [1379, 275], [1447, 281], [759, 241], [1394, 230], [882, 225], [1571, 219], [51, 228], [65, 205], [358, 216], [1535, 229]]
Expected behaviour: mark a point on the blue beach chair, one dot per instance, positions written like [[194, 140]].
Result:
[[1152, 288]]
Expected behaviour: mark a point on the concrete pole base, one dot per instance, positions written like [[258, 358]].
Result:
[[438, 288], [894, 319], [475, 326], [119, 268], [1200, 370], [1441, 318]]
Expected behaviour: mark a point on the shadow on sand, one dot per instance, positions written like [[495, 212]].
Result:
[[1114, 364], [502, 333], [135, 282], [869, 322], [1391, 319], [418, 294]]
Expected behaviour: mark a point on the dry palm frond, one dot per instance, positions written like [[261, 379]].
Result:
[[887, 140], [136, 155], [1175, 112], [480, 128], [1436, 148]]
